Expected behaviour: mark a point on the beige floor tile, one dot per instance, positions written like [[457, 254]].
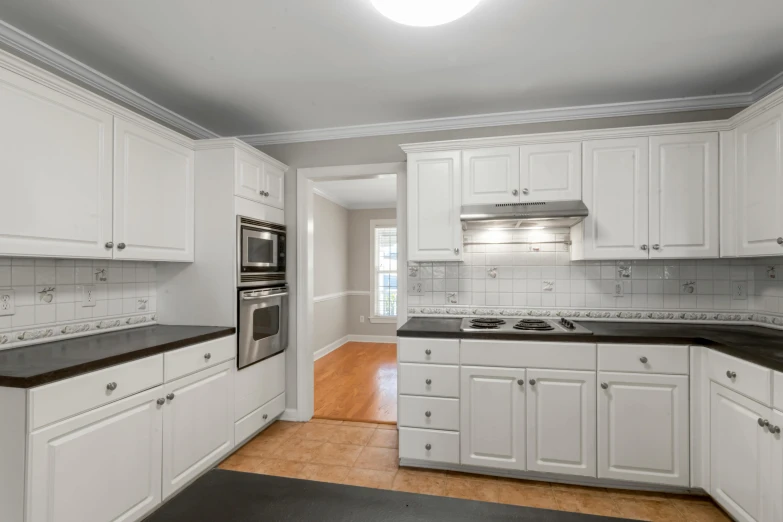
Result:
[[326, 421], [326, 473], [482, 490], [370, 478], [345, 434], [648, 509], [383, 459], [521, 494], [360, 424], [262, 446], [415, 482], [282, 428], [298, 450], [281, 468], [696, 511], [591, 503], [237, 462], [387, 426], [337, 454], [384, 439], [315, 431]]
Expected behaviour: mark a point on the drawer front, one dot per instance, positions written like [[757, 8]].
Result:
[[777, 388], [528, 354], [443, 380], [443, 413], [258, 384], [741, 376], [258, 419], [198, 357], [643, 358], [433, 351], [443, 445], [62, 399]]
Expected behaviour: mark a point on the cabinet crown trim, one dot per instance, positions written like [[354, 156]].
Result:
[[227, 143]]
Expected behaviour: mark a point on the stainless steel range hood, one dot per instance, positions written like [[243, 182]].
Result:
[[533, 215]]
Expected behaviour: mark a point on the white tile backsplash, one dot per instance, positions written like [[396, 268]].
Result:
[[49, 291]]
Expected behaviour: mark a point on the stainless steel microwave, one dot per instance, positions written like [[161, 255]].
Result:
[[260, 252]]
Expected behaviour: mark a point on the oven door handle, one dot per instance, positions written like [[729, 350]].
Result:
[[258, 297]]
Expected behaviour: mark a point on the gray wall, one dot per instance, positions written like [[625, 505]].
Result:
[[383, 149]]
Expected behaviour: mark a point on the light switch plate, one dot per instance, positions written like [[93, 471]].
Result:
[[416, 288], [88, 295], [7, 302]]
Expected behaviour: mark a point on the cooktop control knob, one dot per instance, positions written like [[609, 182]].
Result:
[[565, 323]]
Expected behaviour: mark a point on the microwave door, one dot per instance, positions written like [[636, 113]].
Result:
[[259, 249]]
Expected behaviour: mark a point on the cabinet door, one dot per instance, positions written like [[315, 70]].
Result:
[[740, 455], [104, 465], [776, 493], [492, 417], [561, 422], [198, 425], [153, 195], [55, 173], [434, 200], [249, 176], [490, 176], [684, 196], [274, 183], [551, 172], [616, 194], [643, 431], [760, 184]]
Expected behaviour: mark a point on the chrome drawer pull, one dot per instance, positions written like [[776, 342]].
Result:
[[111, 386]]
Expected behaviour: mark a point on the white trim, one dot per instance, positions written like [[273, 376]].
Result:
[[36, 50], [375, 223], [339, 343], [392, 319], [338, 295], [330, 197], [290, 414], [329, 348], [227, 143]]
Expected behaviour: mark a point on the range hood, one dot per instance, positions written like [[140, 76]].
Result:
[[533, 215]]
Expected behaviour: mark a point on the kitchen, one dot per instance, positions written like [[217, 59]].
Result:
[[589, 305]]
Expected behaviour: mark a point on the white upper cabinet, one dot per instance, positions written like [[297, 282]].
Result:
[[684, 196], [153, 195], [492, 417], [490, 176], [615, 192], [55, 173], [550, 172], [759, 184], [434, 204], [561, 422], [258, 179]]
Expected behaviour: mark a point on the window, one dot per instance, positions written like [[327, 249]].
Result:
[[384, 270]]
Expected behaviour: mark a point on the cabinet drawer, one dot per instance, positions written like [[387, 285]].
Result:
[[443, 413], [528, 354], [434, 351], [643, 358], [777, 389], [443, 445], [256, 385], [741, 376], [443, 380], [197, 357], [258, 419], [52, 402]]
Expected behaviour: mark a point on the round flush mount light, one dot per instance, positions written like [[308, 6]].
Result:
[[424, 13]]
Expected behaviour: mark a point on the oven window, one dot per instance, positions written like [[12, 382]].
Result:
[[266, 322], [260, 250]]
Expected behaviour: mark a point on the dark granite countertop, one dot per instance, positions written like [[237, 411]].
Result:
[[39, 364], [757, 344]]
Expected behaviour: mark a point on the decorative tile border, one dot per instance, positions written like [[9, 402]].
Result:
[[603, 315], [32, 335]]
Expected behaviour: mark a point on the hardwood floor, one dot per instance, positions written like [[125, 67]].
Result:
[[357, 382]]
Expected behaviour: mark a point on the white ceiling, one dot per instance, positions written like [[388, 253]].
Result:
[[379, 192], [260, 66]]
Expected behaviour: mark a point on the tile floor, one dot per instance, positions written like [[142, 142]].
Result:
[[363, 454]]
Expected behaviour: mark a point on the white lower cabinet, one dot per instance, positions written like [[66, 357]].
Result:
[[643, 428], [492, 420], [777, 466], [741, 455], [561, 422], [198, 425], [104, 465]]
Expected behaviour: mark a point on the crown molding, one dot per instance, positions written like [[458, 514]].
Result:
[[36, 50], [235, 143], [329, 197]]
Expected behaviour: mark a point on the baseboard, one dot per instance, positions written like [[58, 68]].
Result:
[[290, 414], [329, 348]]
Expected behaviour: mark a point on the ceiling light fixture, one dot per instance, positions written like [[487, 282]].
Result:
[[424, 13]]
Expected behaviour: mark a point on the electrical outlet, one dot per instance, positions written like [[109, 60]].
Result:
[[619, 291], [739, 290], [7, 302], [415, 288], [88, 295], [361, 318]]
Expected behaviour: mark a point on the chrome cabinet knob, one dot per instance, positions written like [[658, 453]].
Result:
[[763, 422], [428, 447], [266, 194], [456, 251], [656, 247], [265, 416], [260, 192], [605, 386], [121, 246], [775, 430], [643, 359], [161, 401], [525, 191], [780, 241], [109, 244], [428, 382], [532, 382], [643, 247], [731, 375], [521, 382], [111, 386], [207, 356], [170, 396], [428, 413], [514, 192], [427, 352]]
